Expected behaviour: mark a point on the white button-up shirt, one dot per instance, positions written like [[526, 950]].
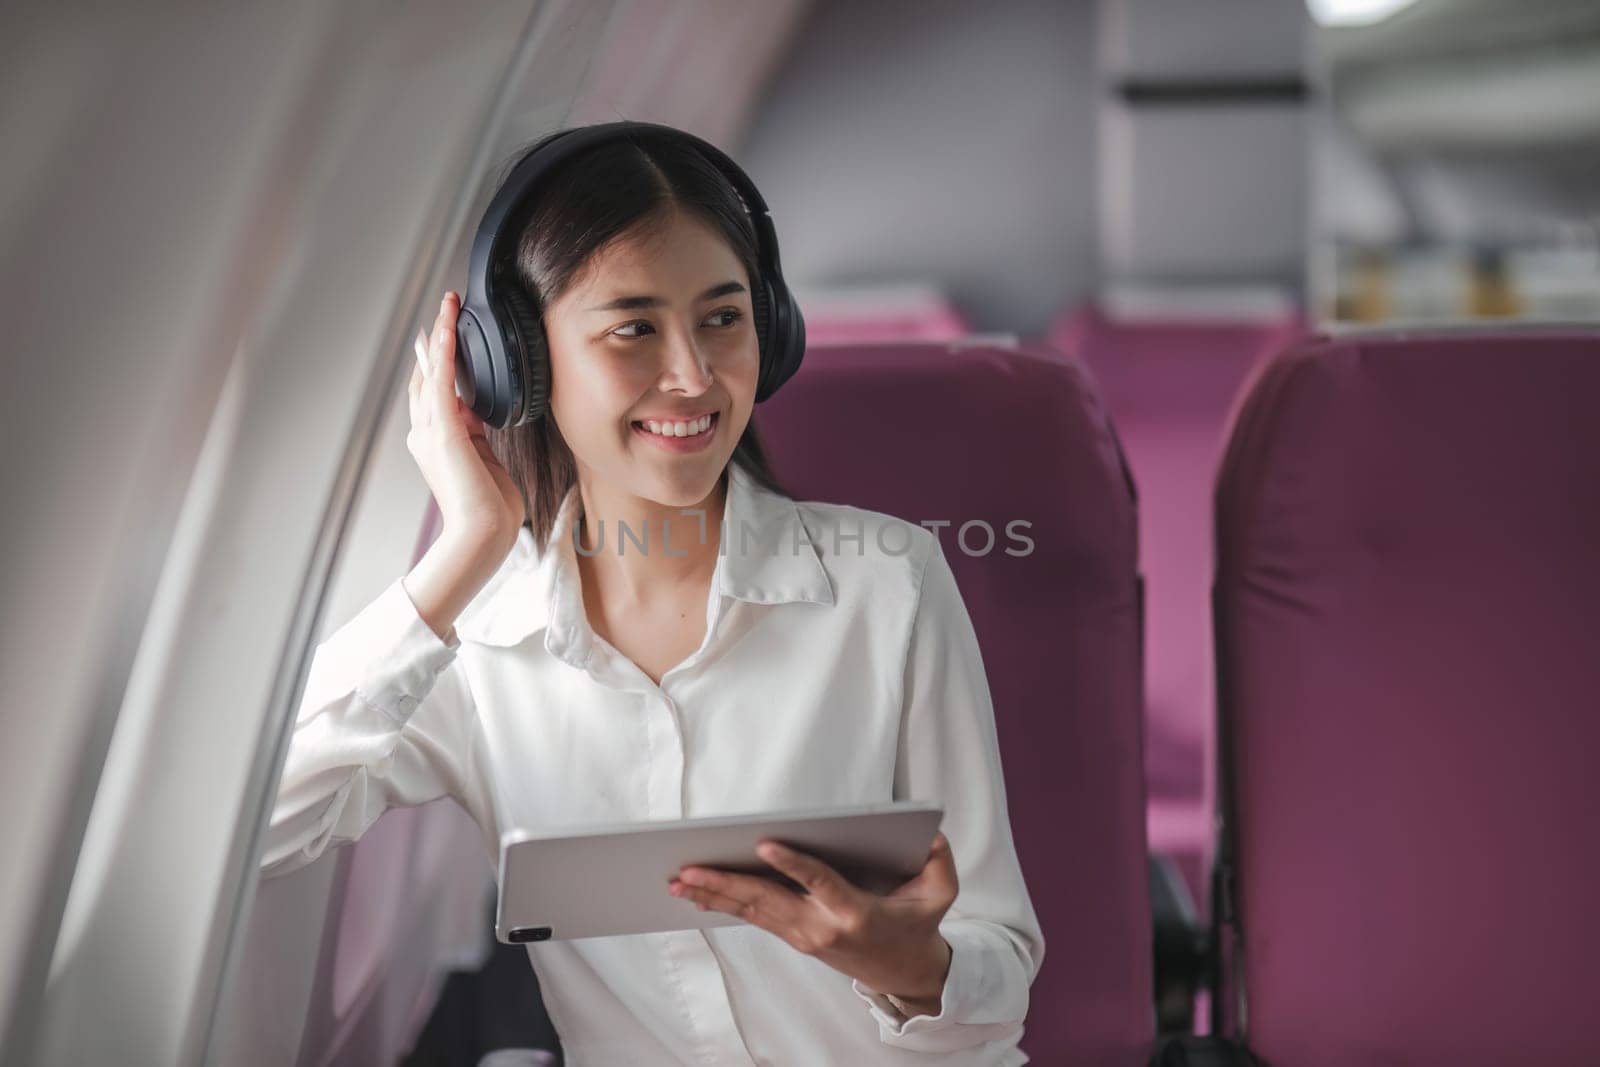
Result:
[[839, 667]]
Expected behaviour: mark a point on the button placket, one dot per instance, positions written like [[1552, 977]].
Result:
[[710, 1009], [697, 963], [693, 965], [667, 756], [689, 954]]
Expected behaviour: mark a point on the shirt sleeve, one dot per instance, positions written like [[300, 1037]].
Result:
[[385, 721], [949, 754]]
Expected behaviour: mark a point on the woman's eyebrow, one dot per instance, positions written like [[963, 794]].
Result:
[[629, 303]]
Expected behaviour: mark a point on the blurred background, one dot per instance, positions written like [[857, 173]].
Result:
[[1456, 174], [221, 225]]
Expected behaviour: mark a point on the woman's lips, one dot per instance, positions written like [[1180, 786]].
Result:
[[681, 445]]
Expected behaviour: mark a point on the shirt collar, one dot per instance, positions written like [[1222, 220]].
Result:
[[767, 556]]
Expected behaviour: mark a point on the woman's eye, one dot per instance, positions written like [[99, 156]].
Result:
[[724, 319]]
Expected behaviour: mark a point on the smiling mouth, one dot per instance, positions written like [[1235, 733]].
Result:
[[674, 430]]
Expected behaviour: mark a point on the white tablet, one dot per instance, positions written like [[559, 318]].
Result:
[[601, 881]]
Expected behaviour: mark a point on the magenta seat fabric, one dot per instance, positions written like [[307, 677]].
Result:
[[1408, 637], [1170, 385], [936, 432], [1176, 365]]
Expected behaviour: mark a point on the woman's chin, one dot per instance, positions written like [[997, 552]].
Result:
[[681, 484]]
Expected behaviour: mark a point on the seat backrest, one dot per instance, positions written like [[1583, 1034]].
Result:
[[1407, 606], [877, 313], [932, 432]]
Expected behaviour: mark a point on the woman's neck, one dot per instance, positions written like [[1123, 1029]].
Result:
[[635, 551]]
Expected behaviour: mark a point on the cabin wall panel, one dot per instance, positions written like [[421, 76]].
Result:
[[944, 142]]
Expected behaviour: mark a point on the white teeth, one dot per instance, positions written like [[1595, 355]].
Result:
[[680, 429]]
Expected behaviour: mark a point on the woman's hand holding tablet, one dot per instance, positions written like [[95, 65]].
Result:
[[888, 942], [863, 889]]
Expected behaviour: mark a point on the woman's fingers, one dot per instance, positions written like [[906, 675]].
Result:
[[475, 426], [441, 375], [419, 345], [826, 885], [706, 900], [447, 357]]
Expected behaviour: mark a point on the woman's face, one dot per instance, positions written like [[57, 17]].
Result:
[[659, 329]]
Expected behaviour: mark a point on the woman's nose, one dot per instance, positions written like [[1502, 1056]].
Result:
[[687, 365]]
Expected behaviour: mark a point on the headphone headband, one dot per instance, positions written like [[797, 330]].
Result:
[[528, 172]]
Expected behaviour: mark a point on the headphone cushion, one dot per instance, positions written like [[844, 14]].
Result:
[[761, 304], [783, 340], [531, 355], [768, 345]]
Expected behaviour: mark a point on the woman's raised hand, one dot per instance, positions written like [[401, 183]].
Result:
[[478, 502]]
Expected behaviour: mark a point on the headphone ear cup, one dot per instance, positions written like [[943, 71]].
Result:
[[761, 305], [794, 336], [784, 338], [531, 356]]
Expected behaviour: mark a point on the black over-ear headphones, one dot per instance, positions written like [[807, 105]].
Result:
[[502, 357]]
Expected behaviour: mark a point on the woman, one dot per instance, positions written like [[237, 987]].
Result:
[[625, 618]]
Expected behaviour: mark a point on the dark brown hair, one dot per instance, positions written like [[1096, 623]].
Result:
[[623, 187]]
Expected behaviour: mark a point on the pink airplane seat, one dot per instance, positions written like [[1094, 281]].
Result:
[[973, 433], [1169, 381], [1408, 652], [890, 313]]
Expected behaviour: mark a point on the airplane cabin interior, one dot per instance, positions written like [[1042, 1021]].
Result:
[[1272, 328]]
